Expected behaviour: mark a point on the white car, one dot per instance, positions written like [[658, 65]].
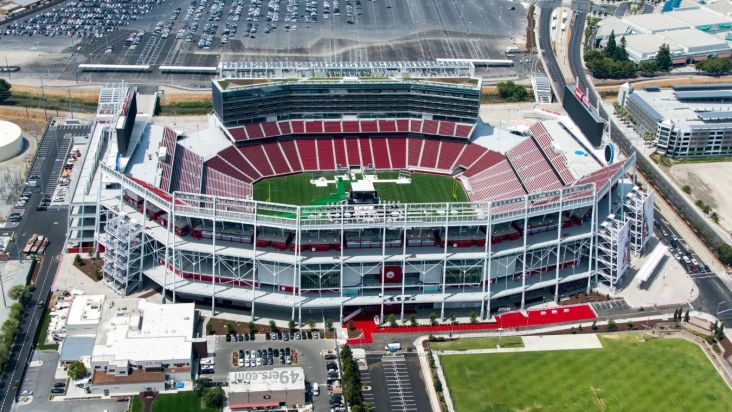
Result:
[[259, 361], [241, 362], [316, 389], [246, 362]]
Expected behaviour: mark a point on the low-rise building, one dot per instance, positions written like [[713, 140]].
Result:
[[140, 345], [683, 121], [693, 33], [84, 315], [266, 389]]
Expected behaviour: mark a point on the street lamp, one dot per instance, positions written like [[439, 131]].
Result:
[[718, 305]]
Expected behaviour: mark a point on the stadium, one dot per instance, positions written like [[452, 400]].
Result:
[[346, 197]]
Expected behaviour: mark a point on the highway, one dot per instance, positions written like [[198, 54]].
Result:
[[714, 290], [51, 223]]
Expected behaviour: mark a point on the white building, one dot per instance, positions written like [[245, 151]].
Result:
[[693, 33], [140, 344], [84, 315]]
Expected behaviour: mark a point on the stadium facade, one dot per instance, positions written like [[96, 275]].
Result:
[[546, 217]]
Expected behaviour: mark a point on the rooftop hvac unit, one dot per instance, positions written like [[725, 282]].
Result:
[[163, 154]]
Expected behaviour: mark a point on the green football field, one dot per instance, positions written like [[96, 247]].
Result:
[[628, 374], [297, 189]]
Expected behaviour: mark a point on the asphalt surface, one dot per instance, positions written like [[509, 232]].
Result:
[[51, 223], [385, 30], [308, 355], [395, 382]]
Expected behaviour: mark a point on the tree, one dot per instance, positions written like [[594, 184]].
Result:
[[76, 370], [209, 329], [311, 324], [453, 318], [724, 251], [630, 325], [611, 326], [273, 326], [77, 260], [291, 324], [511, 91], [716, 66], [621, 53], [433, 319], [21, 293], [686, 316], [413, 320], [473, 317], [4, 90], [663, 58], [351, 325], [200, 385], [251, 327], [686, 189], [720, 331], [229, 327], [648, 67], [392, 320], [611, 46], [214, 397], [715, 217], [329, 324], [594, 325]]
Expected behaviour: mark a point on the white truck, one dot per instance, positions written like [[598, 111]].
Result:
[[393, 347]]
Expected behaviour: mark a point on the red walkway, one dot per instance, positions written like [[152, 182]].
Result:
[[561, 314]]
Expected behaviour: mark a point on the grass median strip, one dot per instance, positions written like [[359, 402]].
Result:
[[479, 343]]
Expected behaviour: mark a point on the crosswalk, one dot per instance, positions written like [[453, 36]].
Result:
[[396, 376]]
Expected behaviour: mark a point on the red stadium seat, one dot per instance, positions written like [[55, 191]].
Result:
[[326, 158], [369, 126], [308, 155], [332, 126], [429, 127], [449, 154], [387, 126], [298, 126], [381, 153], [402, 125], [291, 153], [285, 127], [398, 152], [415, 151], [254, 131], [366, 157], [446, 128], [354, 153], [313, 126], [272, 149], [463, 130], [256, 156], [340, 152], [271, 129], [430, 153], [351, 126], [415, 126]]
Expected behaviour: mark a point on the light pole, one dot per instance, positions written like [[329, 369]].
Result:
[[718, 305]]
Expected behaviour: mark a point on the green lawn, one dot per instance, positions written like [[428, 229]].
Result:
[[43, 331], [297, 189], [627, 374], [479, 343], [137, 405], [179, 402]]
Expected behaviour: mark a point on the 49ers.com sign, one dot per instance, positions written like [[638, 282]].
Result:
[[391, 274]]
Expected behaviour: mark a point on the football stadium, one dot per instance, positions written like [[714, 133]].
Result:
[[345, 197]]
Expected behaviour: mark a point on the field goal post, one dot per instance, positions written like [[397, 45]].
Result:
[[404, 174]]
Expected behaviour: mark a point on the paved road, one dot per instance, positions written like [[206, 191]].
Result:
[[52, 223]]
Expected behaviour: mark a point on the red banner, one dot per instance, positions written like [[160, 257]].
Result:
[[392, 274]]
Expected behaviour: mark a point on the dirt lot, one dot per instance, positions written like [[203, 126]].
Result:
[[709, 182], [91, 267]]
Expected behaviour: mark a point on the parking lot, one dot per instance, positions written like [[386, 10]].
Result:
[[198, 32], [304, 353], [395, 383]]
